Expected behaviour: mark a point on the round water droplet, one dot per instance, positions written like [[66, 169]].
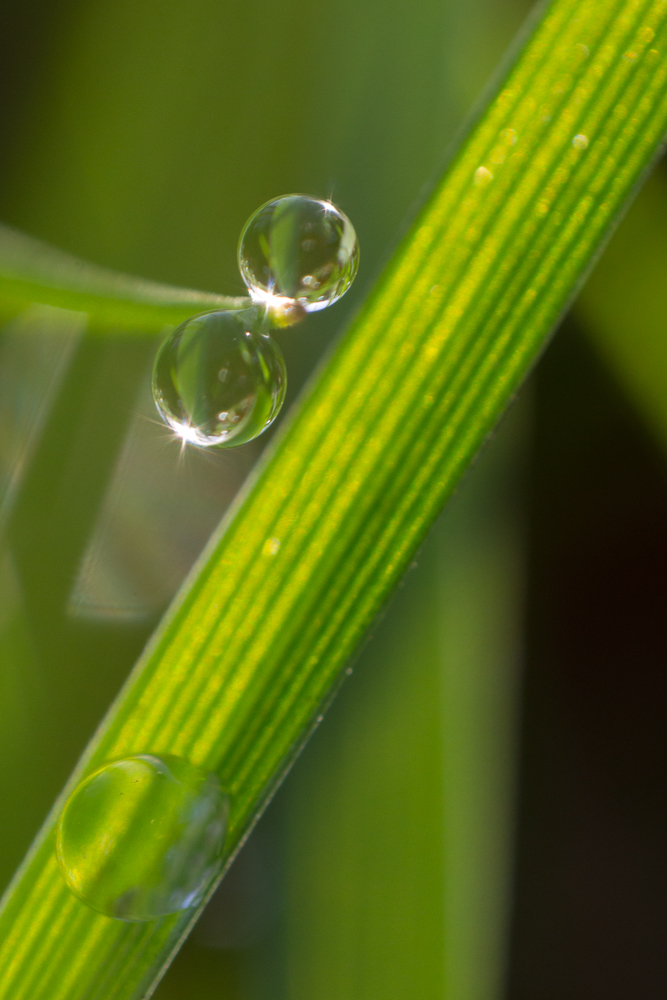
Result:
[[298, 254], [143, 837], [216, 382]]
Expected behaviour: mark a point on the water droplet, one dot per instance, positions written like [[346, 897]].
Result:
[[509, 136], [143, 837], [216, 382], [580, 142], [298, 251], [483, 176], [271, 547]]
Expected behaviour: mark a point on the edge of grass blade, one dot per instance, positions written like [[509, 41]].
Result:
[[33, 272]]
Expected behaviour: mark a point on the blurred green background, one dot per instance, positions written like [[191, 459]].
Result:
[[482, 814]]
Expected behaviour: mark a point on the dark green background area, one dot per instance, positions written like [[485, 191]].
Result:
[[140, 136]]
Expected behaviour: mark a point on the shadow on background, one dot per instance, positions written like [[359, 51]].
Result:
[[591, 871]]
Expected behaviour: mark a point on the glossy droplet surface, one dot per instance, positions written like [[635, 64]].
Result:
[[216, 382], [143, 836], [300, 250]]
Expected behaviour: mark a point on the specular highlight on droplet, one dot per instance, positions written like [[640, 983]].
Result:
[[143, 837]]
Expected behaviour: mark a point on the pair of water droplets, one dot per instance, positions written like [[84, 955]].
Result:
[[219, 378]]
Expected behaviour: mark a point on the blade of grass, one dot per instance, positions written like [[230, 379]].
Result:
[[31, 271], [237, 675], [399, 816]]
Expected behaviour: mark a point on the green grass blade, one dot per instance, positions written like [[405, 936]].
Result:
[[398, 819], [31, 271], [238, 673]]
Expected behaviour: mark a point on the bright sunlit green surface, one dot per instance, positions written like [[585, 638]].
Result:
[[238, 673]]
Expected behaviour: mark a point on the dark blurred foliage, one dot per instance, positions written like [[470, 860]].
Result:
[[591, 873]]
